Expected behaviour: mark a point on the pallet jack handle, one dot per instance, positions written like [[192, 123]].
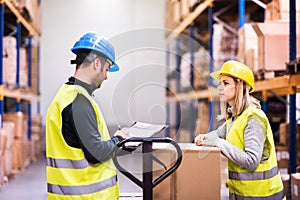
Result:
[[147, 184]]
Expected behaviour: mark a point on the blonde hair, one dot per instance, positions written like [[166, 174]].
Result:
[[241, 102]]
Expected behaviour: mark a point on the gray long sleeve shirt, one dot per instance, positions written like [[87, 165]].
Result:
[[80, 130], [254, 141]]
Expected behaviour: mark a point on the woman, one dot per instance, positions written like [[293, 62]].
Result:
[[245, 138]]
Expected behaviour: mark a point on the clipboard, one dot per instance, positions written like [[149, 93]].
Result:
[[142, 129]]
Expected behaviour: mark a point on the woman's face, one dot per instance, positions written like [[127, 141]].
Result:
[[227, 89]]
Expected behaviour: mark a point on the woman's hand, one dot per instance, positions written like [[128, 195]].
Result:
[[199, 139]]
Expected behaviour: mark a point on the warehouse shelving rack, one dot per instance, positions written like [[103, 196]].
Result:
[[283, 85], [18, 93]]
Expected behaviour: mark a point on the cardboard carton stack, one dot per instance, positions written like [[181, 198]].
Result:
[[279, 10], [9, 61], [7, 139], [21, 146], [177, 11], [225, 44], [31, 10], [36, 136], [35, 70], [295, 186], [273, 55], [248, 47]]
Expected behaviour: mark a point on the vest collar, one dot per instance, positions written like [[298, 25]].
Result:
[[89, 88]]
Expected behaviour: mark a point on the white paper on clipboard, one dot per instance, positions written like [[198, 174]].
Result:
[[142, 129]]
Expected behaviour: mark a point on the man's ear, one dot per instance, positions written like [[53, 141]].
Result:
[[97, 63]]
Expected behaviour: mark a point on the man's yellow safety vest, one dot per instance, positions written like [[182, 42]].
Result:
[[69, 174], [263, 182]]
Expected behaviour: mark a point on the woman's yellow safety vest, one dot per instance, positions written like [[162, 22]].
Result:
[[262, 183], [69, 174]]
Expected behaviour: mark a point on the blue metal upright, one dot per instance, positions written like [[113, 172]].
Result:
[[241, 13], [292, 96], [178, 72], [211, 65], [18, 103], [1, 61], [192, 120], [29, 59]]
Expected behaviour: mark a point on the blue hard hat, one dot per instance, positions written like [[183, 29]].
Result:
[[97, 43]]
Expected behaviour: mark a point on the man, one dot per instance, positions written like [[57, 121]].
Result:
[[78, 145]]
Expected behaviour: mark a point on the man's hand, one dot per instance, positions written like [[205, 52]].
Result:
[[123, 133]]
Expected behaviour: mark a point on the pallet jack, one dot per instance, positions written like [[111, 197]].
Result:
[[146, 142]]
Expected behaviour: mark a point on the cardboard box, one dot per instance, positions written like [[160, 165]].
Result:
[[203, 118], [285, 180], [284, 134], [9, 60], [167, 155], [295, 186], [283, 156], [7, 133], [274, 55], [20, 121], [248, 47], [198, 176], [279, 10]]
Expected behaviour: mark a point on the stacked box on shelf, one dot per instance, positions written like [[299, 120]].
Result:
[[177, 10], [284, 134], [202, 124], [7, 140], [200, 69], [273, 55], [23, 68], [33, 9], [9, 60], [36, 136], [279, 10], [225, 45], [10, 63], [35, 70], [21, 146], [295, 186], [248, 47], [172, 13]]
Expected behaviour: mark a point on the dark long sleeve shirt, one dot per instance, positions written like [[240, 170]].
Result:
[[80, 129]]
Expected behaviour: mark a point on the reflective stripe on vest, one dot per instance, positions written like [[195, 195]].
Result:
[[265, 180], [83, 189], [66, 163], [68, 171], [279, 196], [246, 176]]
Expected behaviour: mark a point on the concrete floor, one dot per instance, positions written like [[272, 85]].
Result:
[[31, 184]]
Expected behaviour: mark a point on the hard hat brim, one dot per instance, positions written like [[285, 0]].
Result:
[[114, 68], [216, 75]]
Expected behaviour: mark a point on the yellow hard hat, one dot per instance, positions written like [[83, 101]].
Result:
[[236, 69]]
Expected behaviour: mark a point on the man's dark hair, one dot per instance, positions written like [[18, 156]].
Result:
[[86, 56]]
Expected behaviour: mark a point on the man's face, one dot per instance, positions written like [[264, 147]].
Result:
[[101, 72]]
